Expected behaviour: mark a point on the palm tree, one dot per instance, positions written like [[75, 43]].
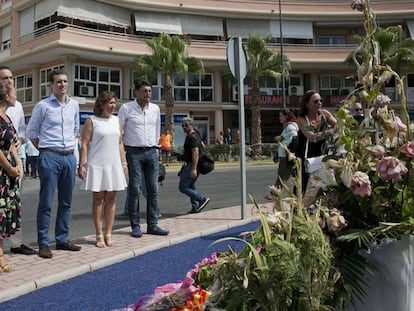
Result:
[[262, 62], [169, 56], [394, 49]]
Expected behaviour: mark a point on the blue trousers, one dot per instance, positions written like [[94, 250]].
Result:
[[143, 167], [187, 186], [55, 171]]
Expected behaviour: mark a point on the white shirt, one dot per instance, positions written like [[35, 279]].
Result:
[[141, 128], [16, 115]]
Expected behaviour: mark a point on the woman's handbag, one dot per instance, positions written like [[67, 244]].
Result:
[[313, 164]]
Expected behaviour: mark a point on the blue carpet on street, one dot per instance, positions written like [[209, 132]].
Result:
[[122, 284]]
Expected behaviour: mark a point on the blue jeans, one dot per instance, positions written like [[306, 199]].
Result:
[[55, 171], [187, 186], [143, 167]]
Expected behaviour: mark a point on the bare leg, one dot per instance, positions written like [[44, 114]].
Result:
[[109, 214], [4, 266], [97, 211]]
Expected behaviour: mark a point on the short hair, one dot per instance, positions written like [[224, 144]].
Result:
[[5, 68], [139, 83], [5, 88], [103, 98], [187, 120], [305, 99], [56, 72]]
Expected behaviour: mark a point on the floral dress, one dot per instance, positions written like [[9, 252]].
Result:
[[10, 213]]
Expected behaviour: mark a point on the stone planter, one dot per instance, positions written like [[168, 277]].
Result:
[[391, 287]]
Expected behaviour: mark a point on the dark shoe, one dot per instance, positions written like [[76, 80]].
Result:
[[23, 249], [202, 205], [136, 232], [157, 230], [69, 246], [192, 211], [45, 252]]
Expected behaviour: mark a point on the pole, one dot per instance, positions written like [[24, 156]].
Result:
[[281, 56], [237, 56]]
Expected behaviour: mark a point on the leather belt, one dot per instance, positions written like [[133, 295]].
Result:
[[61, 152], [142, 148]]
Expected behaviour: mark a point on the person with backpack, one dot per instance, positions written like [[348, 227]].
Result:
[[189, 172], [288, 137]]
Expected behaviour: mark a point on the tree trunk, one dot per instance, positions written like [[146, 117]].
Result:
[[169, 104], [256, 126]]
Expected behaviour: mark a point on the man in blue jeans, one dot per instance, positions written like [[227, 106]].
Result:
[[189, 172], [141, 124], [53, 128]]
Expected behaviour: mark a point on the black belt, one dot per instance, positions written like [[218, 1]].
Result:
[[61, 152], [142, 148]]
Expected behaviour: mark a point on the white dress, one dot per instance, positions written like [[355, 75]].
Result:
[[104, 170]]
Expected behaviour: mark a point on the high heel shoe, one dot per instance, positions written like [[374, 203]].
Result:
[[4, 266], [108, 239], [100, 241]]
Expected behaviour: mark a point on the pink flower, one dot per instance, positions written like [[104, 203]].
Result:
[[408, 149], [391, 168], [399, 126], [360, 184], [377, 151]]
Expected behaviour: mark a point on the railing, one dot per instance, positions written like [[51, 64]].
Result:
[[60, 25]]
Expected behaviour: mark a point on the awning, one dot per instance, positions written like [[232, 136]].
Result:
[[410, 25], [201, 25], [86, 10], [243, 27], [158, 22], [292, 29]]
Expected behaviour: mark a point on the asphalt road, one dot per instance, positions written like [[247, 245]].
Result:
[[222, 186]]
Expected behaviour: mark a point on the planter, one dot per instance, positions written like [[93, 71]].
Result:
[[391, 287]]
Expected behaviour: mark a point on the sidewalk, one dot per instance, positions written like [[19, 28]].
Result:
[[30, 273]]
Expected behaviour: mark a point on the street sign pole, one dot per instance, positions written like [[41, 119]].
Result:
[[236, 59]]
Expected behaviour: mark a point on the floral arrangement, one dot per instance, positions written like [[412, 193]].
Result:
[[307, 257], [371, 173]]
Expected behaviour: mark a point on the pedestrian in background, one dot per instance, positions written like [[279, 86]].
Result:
[[101, 168], [141, 125], [53, 128], [16, 115], [220, 139], [166, 143], [289, 133], [189, 172], [228, 139], [32, 158], [10, 171]]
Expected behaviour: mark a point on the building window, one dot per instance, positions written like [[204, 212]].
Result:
[[44, 80], [24, 87], [331, 40], [89, 81], [330, 85], [193, 87]]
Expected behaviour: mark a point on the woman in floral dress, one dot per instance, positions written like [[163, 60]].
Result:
[[10, 172]]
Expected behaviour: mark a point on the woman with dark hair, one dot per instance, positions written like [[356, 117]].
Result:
[[315, 124], [101, 169], [289, 133]]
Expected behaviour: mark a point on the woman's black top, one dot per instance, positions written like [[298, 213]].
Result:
[[314, 148]]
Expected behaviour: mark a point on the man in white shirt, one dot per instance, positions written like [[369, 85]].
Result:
[[141, 125], [16, 115]]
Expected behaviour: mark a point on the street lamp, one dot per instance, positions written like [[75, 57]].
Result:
[[281, 57]]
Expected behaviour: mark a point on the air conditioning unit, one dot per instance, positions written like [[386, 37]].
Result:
[[295, 90], [86, 91], [345, 91], [235, 91]]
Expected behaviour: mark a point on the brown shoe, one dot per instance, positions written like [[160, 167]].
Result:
[[45, 252], [69, 246]]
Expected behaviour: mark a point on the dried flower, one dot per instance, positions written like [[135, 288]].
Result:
[[408, 149], [360, 184], [358, 5], [391, 168]]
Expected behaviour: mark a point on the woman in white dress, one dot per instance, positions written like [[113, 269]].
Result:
[[101, 169]]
